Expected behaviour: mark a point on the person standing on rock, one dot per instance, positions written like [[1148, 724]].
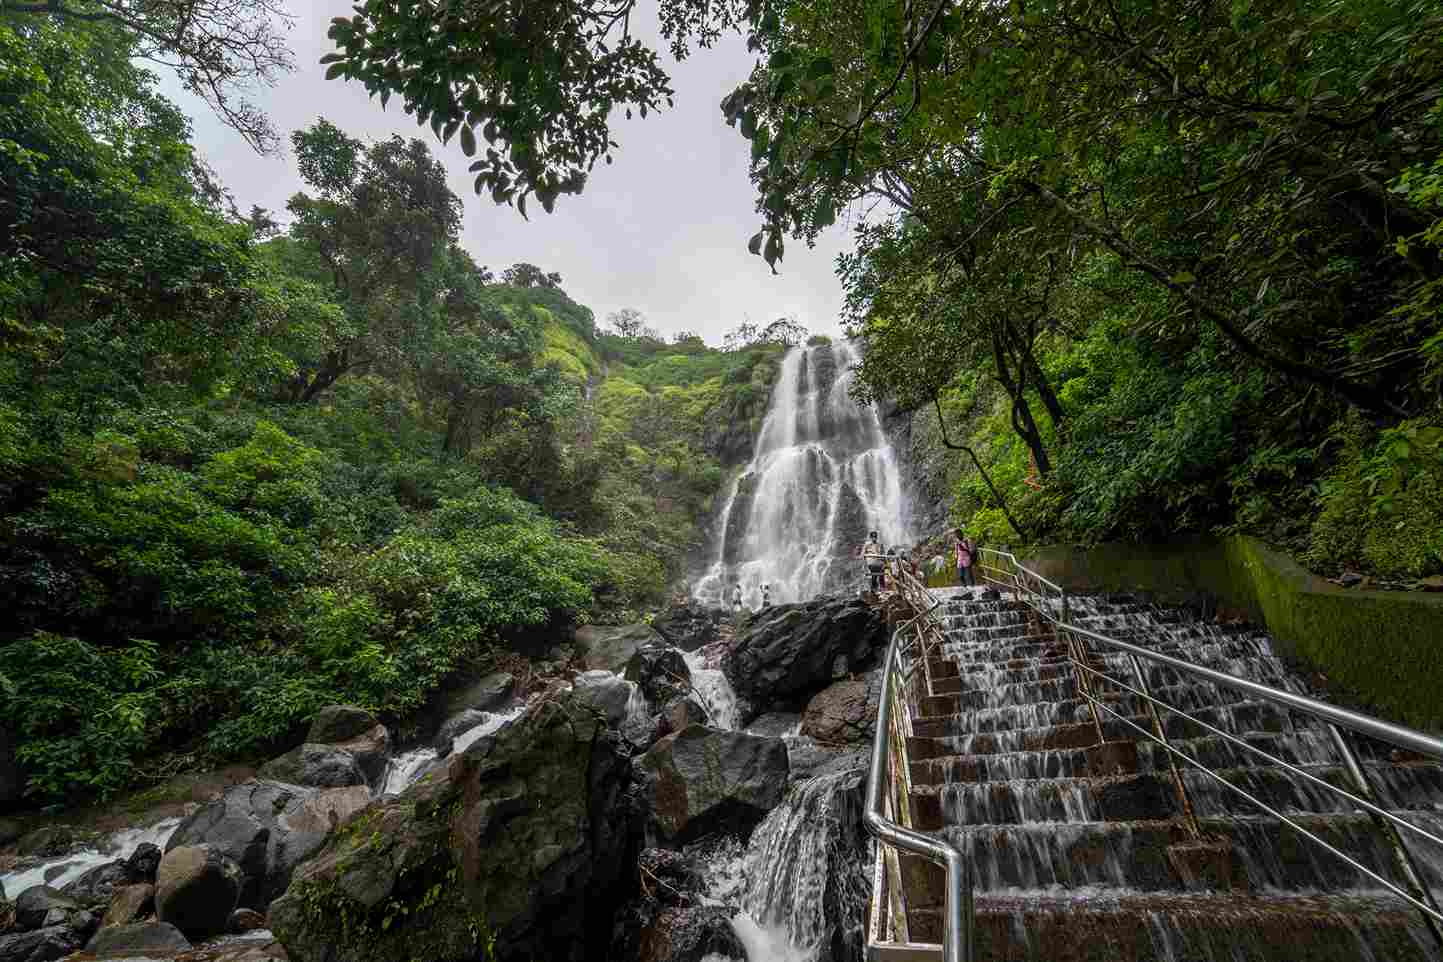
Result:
[[872, 555], [965, 551], [737, 598], [766, 594]]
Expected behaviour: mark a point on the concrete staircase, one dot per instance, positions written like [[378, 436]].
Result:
[[1082, 850]]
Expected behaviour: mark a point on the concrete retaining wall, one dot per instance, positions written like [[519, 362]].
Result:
[[1384, 647]]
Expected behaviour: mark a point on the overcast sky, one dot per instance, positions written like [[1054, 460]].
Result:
[[663, 229]]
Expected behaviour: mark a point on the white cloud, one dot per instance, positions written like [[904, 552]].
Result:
[[663, 229]]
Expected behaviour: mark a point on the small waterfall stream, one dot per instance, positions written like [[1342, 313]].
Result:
[[823, 475]]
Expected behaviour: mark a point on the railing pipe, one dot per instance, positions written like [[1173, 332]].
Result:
[[957, 927], [1411, 876], [1337, 718]]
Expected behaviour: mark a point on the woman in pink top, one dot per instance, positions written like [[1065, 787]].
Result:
[[965, 552]]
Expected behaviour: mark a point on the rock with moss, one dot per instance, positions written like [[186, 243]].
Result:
[[789, 652], [512, 849], [702, 780], [268, 828]]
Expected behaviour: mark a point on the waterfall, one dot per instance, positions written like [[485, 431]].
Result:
[[799, 887], [822, 476]]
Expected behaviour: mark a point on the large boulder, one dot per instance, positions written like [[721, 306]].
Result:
[[95, 887], [789, 652], [661, 672], [604, 692], [700, 780], [196, 889], [41, 945], [335, 724], [129, 903], [345, 746], [524, 835], [458, 724], [267, 829], [318, 766], [41, 906], [610, 648], [671, 919], [689, 625], [845, 712], [486, 693], [145, 939]]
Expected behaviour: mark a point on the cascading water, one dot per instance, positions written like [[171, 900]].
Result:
[[823, 475], [800, 885]]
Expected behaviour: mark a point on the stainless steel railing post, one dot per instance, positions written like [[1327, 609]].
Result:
[[1412, 877], [1188, 815]]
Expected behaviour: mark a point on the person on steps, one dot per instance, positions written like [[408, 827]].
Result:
[[872, 555], [965, 551]]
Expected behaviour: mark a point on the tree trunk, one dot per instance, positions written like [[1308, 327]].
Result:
[[1023, 423], [977, 462], [1359, 395]]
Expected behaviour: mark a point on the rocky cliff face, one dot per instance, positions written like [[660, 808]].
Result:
[[520, 844], [929, 470]]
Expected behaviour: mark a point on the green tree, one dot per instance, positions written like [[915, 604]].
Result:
[[382, 217], [216, 47]]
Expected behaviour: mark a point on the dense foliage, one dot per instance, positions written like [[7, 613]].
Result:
[[246, 472]]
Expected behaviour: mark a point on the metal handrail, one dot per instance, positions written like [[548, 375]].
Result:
[[957, 938], [1021, 579]]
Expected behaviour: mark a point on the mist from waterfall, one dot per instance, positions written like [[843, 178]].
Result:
[[822, 476]]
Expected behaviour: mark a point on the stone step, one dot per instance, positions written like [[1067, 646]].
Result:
[[1214, 751], [1260, 854], [1133, 797], [1237, 718], [1045, 927]]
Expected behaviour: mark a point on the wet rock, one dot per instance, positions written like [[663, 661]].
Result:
[[701, 780], [340, 723], [661, 672], [457, 724], [42, 945], [679, 713], [97, 885], [144, 862], [267, 829], [533, 823], [605, 692], [739, 519], [610, 648], [10, 830], [244, 920], [319, 766], [843, 713], [484, 694], [41, 906], [129, 903], [138, 939], [689, 626], [196, 889], [690, 934], [344, 746], [789, 652], [48, 841], [775, 724]]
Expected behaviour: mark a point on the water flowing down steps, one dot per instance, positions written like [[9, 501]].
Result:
[[1081, 851]]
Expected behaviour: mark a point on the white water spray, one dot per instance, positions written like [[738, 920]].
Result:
[[823, 475]]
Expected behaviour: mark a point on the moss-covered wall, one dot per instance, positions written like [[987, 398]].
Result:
[[1385, 647]]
